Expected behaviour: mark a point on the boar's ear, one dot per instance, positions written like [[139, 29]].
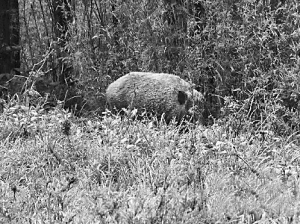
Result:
[[182, 97]]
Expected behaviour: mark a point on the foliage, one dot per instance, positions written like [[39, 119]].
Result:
[[247, 51], [67, 169], [244, 56], [230, 48]]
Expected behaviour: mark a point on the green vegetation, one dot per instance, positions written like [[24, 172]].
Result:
[[56, 168], [241, 166]]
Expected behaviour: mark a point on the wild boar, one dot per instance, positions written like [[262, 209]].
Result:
[[161, 94]]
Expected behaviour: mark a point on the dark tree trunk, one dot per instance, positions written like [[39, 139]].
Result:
[[115, 23], [62, 17], [9, 36]]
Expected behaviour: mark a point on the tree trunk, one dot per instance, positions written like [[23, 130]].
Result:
[[9, 36], [115, 23], [62, 17]]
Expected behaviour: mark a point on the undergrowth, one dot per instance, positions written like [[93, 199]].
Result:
[[117, 170]]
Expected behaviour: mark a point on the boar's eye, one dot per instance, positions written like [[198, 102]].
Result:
[[182, 97]]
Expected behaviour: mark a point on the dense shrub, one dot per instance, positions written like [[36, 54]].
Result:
[[247, 50]]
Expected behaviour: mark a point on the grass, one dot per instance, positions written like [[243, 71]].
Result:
[[55, 168]]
